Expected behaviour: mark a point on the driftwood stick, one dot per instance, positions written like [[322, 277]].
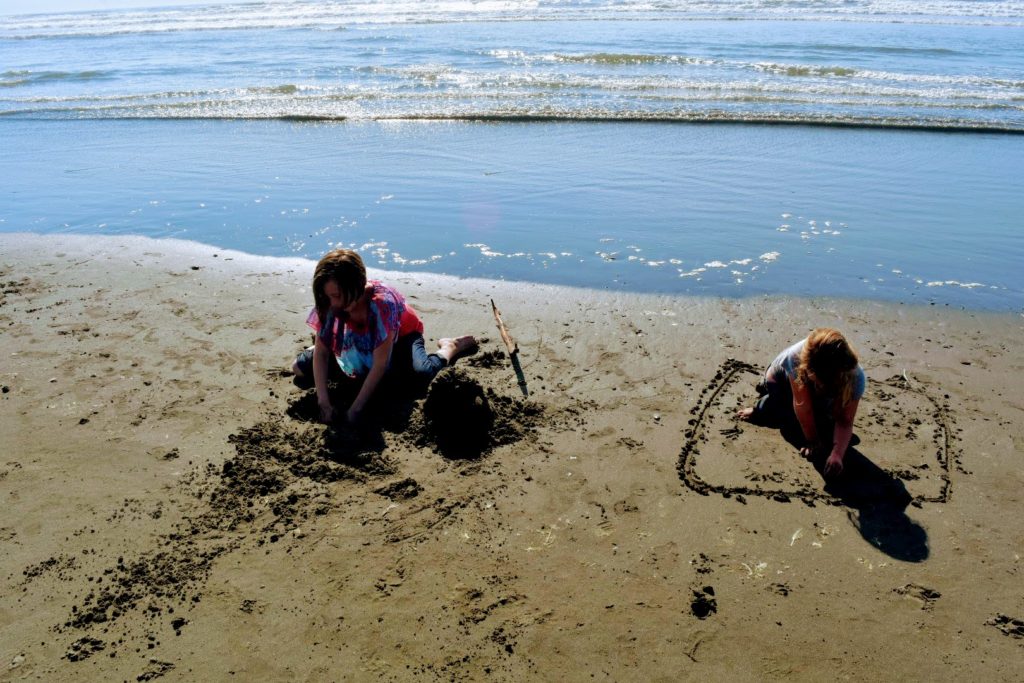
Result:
[[513, 349]]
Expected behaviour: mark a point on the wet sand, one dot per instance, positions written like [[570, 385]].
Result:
[[171, 511]]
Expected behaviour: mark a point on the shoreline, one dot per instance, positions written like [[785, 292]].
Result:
[[897, 125], [138, 369], [192, 249]]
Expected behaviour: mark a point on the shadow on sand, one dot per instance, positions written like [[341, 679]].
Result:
[[876, 502]]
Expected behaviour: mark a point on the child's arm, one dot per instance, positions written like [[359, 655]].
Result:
[[841, 439], [381, 356], [804, 409], [321, 369]]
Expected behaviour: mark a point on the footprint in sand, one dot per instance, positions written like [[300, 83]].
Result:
[[1011, 627], [926, 596]]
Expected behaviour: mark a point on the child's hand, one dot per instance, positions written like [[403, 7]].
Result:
[[352, 416], [326, 413], [811, 450], [834, 465]]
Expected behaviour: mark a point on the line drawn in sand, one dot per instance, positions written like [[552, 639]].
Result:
[[892, 405]]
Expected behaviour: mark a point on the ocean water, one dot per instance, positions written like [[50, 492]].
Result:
[[625, 144], [938, 63]]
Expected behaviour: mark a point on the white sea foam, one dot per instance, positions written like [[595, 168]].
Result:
[[332, 15], [955, 283], [469, 94], [529, 81], [692, 273], [391, 76]]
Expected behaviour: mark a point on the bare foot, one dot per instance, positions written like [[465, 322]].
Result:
[[450, 349], [745, 414]]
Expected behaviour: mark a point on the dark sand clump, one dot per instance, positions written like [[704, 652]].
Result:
[[487, 360], [458, 415], [162, 579], [61, 564], [704, 603], [83, 648], [464, 421]]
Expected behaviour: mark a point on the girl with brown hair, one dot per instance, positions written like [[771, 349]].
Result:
[[363, 329], [818, 382]]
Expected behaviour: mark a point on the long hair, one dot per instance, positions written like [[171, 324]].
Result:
[[345, 267], [829, 364]]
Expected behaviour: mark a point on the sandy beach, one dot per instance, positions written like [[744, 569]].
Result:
[[171, 511]]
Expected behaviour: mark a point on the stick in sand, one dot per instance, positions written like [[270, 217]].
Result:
[[513, 349]]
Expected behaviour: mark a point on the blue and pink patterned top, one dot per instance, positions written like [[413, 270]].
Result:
[[389, 317]]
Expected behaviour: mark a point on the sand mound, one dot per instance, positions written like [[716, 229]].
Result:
[[458, 415], [463, 420]]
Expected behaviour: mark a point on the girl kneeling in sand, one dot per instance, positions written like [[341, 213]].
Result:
[[363, 328], [819, 382]]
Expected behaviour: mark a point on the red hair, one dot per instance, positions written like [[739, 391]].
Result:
[[829, 364]]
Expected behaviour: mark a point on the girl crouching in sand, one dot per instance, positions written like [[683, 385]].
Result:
[[819, 382], [363, 329]]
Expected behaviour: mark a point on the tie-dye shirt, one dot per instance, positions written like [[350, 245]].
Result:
[[389, 317]]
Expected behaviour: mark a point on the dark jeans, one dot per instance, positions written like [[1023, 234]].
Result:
[[409, 360], [775, 409], [409, 356]]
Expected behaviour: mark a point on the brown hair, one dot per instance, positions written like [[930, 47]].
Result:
[[829, 363], [345, 267]]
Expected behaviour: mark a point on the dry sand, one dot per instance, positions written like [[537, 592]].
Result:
[[169, 511]]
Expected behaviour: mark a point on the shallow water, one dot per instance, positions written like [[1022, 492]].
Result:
[[727, 210]]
